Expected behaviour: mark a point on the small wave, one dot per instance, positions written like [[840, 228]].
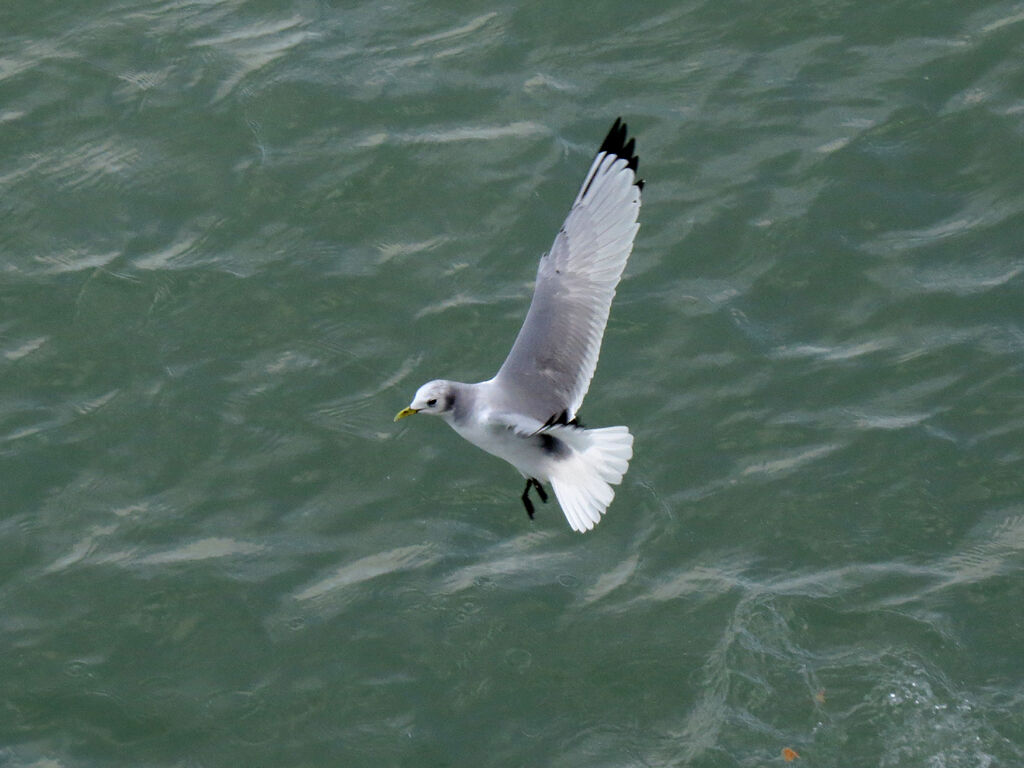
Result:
[[519, 129], [331, 593], [788, 462], [203, 549]]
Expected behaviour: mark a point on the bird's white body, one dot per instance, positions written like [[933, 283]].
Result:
[[526, 413], [489, 432], [588, 464]]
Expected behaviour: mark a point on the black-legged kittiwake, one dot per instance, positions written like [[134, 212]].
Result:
[[526, 414]]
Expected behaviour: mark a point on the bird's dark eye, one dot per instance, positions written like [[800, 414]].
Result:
[[432, 402]]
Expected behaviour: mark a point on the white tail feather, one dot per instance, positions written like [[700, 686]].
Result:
[[583, 482]]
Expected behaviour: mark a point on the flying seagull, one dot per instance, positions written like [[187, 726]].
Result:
[[526, 414]]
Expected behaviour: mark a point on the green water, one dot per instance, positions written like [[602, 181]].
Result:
[[237, 236]]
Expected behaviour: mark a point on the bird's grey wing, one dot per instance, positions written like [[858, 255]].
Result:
[[548, 371]]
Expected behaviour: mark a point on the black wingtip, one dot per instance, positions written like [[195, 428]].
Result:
[[562, 420], [616, 143]]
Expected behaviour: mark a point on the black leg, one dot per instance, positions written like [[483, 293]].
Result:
[[540, 489], [526, 500]]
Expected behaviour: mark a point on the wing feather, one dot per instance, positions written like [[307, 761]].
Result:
[[553, 359]]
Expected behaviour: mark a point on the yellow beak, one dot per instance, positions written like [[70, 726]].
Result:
[[405, 412]]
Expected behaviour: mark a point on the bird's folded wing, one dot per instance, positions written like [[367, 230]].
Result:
[[527, 426], [549, 369], [520, 423]]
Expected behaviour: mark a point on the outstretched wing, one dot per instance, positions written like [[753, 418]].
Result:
[[548, 371]]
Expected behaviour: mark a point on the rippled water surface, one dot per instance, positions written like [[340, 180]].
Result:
[[238, 235]]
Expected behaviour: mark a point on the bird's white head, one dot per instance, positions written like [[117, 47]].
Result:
[[435, 397]]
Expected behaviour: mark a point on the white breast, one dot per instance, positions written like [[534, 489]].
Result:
[[523, 453]]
